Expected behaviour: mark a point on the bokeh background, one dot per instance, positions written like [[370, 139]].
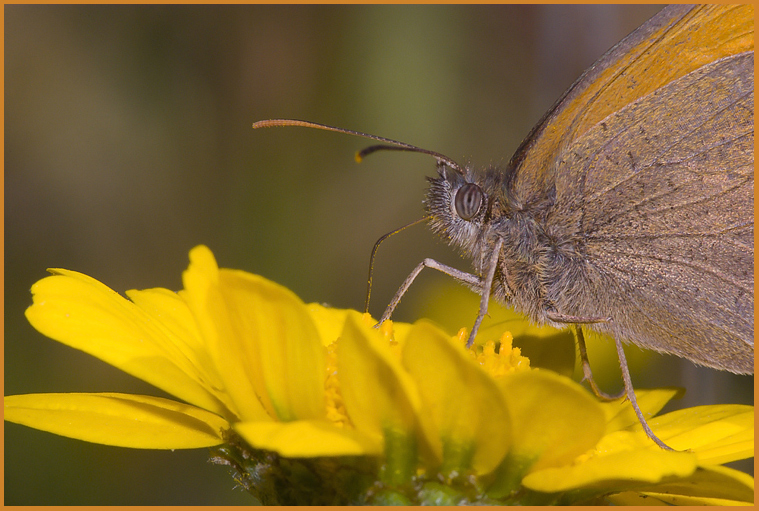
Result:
[[128, 142]]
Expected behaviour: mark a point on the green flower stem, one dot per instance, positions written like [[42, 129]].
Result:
[[507, 478], [400, 457], [457, 456]]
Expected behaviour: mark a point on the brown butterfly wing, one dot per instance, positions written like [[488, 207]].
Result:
[[673, 43], [649, 159], [660, 196]]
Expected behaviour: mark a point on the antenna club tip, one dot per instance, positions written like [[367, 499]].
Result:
[[358, 157]]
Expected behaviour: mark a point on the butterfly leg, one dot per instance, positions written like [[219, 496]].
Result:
[[485, 288], [466, 278], [631, 396], [587, 373], [628, 390]]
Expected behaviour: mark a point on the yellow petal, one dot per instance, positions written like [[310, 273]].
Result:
[[706, 486], [380, 398], [618, 471], [305, 439], [717, 433], [553, 421], [167, 310], [170, 312], [141, 422], [634, 498], [329, 322], [377, 392], [80, 312], [553, 418], [470, 422], [620, 414], [261, 338]]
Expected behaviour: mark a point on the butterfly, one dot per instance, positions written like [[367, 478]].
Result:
[[629, 207]]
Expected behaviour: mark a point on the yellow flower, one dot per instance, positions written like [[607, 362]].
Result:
[[311, 405]]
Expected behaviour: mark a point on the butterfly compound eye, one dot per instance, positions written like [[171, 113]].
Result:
[[468, 201]]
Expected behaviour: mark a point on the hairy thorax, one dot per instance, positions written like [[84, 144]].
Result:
[[538, 270]]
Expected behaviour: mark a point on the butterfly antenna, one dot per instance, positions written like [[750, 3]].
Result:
[[374, 252], [393, 144]]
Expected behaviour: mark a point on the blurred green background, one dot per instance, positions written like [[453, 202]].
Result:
[[128, 142]]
